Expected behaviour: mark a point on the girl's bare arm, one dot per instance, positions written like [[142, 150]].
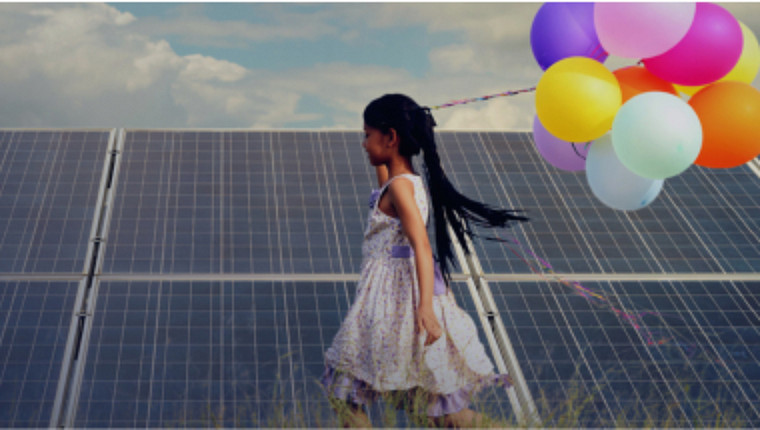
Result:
[[402, 197]]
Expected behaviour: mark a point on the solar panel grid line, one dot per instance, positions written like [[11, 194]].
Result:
[[615, 293], [305, 182], [574, 219], [730, 203], [713, 348], [617, 297], [275, 197], [500, 185], [324, 190], [47, 170], [711, 344], [546, 173], [283, 209], [330, 172], [530, 228], [685, 219], [584, 359], [732, 361], [32, 336], [643, 341], [735, 212]]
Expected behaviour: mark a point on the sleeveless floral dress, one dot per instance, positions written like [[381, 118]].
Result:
[[377, 350]]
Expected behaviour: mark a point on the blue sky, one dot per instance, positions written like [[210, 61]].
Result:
[[266, 65]]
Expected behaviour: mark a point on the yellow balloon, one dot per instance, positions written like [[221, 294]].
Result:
[[577, 99], [745, 69]]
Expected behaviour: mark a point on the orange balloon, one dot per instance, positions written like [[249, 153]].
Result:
[[635, 80], [730, 115]]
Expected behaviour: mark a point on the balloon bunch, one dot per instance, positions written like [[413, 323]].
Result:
[[634, 128]]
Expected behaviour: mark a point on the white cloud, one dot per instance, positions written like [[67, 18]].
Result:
[[65, 65], [91, 65], [273, 23], [201, 68], [496, 114]]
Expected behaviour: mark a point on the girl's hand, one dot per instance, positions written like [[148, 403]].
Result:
[[427, 322]]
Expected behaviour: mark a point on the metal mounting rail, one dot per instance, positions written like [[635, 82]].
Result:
[[70, 379], [505, 359]]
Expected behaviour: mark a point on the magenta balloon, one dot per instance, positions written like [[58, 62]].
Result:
[[642, 30], [709, 50], [558, 152], [562, 30]]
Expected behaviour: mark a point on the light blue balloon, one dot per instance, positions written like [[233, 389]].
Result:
[[657, 135], [615, 185]]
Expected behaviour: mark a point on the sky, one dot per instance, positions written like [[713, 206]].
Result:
[[267, 65]]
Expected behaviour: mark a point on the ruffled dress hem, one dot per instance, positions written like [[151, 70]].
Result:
[[346, 387]]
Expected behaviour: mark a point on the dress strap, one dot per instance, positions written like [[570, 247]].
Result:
[[385, 186], [388, 182]]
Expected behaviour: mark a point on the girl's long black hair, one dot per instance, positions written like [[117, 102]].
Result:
[[414, 126]]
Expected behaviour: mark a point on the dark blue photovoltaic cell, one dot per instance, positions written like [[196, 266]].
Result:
[[647, 354], [34, 322], [49, 183], [203, 202], [166, 354], [294, 202], [705, 220]]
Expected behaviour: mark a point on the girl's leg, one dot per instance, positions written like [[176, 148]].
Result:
[[350, 415], [462, 419]]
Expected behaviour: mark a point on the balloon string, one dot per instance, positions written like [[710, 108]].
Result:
[[575, 148], [482, 98], [634, 319], [598, 53]]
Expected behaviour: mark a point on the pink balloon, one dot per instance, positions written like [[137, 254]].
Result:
[[641, 30], [709, 50], [560, 154]]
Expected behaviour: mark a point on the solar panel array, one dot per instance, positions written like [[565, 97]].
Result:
[[194, 278]]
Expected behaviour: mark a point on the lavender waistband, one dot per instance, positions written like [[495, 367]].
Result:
[[403, 251]]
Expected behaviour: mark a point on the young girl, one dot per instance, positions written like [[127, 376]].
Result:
[[404, 333]]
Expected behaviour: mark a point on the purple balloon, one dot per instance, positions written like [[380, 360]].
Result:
[[557, 152], [562, 30]]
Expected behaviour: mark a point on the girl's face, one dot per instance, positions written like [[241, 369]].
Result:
[[378, 145]]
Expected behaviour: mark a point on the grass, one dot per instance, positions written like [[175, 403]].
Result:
[[572, 411], [574, 404]]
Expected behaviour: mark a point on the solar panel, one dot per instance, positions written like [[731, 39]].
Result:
[[49, 185], [172, 353], [224, 270], [651, 354], [34, 322], [237, 202], [705, 220]]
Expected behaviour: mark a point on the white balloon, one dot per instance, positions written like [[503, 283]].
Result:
[[613, 184]]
